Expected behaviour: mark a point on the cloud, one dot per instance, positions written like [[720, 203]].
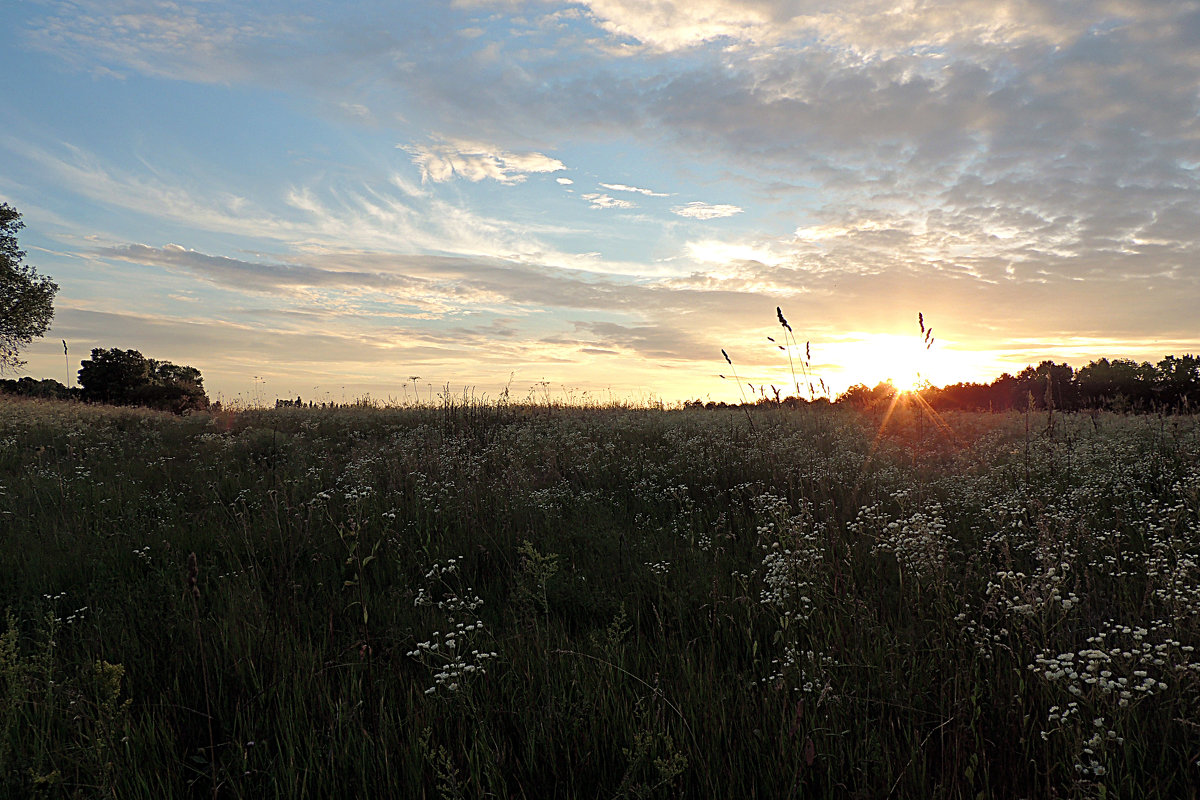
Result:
[[396, 215], [476, 162], [252, 276], [667, 25], [607, 201], [700, 210], [205, 44], [564, 181], [620, 187], [868, 27], [960, 151]]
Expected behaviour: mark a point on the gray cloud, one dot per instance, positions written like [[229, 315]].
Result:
[[252, 276]]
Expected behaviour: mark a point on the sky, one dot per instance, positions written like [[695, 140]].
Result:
[[592, 200]]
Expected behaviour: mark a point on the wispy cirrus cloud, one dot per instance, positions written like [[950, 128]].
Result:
[[475, 161], [254, 276], [394, 214], [207, 43]]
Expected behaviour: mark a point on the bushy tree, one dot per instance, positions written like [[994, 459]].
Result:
[[26, 298], [860, 396], [1048, 384], [1179, 380], [31, 387], [126, 377], [1118, 384]]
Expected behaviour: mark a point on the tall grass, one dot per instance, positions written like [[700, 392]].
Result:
[[537, 601]]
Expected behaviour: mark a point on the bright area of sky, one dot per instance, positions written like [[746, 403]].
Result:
[[326, 199]]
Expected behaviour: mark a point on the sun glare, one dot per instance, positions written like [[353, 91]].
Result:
[[905, 360], [876, 358]]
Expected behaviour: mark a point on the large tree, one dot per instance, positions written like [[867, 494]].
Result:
[[126, 377], [26, 298]]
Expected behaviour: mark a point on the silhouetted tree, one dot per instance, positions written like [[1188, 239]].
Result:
[[126, 377], [30, 387], [1121, 384], [859, 396], [26, 298], [965, 397], [111, 376], [1048, 383], [1178, 380]]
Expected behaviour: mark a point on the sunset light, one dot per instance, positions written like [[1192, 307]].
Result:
[[600, 399], [600, 196]]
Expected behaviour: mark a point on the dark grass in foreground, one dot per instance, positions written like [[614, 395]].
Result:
[[518, 602]]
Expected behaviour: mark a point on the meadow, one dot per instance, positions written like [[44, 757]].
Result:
[[539, 601]]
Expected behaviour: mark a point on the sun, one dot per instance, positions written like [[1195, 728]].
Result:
[[878, 358], [907, 362]]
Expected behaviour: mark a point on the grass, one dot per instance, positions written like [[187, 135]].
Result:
[[536, 601]]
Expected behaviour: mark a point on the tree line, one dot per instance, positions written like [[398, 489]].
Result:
[[1115, 384], [125, 378]]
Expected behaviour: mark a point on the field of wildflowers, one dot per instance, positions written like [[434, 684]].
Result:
[[538, 601]]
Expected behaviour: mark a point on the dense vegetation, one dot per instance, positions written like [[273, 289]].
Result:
[[1117, 385], [541, 602], [122, 377]]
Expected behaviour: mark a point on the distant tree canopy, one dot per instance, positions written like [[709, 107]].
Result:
[[31, 387], [26, 298], [1119, 385], [126, 377], [860, 396]]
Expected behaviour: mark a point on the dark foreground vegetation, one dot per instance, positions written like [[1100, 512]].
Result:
[[543, 602]]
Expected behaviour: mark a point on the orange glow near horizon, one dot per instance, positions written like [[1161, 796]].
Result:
[[873, 358]]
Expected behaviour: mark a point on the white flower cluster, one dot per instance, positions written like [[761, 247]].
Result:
[[792, 568], [449, 654], [784, 586], [1121, 666], [1016, 593], [1176, 573], [812, 668], [794, 552], [919, 542], [355, 494], [70, 619]]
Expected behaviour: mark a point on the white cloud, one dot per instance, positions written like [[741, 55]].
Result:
[[606, 201], [670, 25], [701, 210], [620, 187], [868, 27], [475, 162], [564, 181], [358, 111], [719, 253]]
